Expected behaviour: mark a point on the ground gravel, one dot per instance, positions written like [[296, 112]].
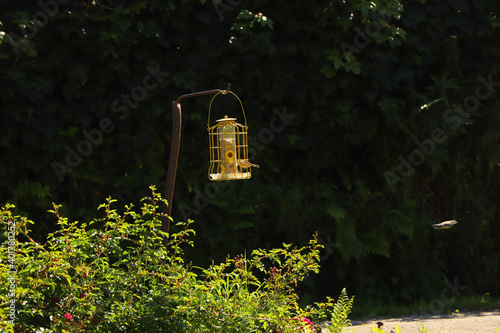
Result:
[[484, 322]]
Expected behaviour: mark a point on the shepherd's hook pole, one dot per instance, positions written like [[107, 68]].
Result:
[[174, 153]]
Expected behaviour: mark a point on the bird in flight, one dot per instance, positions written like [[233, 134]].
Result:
[[445, 224]]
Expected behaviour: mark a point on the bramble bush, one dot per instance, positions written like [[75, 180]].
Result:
[[115, 274]]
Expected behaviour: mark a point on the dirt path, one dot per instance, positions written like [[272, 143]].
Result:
[[484, 322]]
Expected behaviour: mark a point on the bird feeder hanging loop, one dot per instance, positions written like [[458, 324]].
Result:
[[224, 92]]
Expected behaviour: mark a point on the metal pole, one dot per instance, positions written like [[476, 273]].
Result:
[[174, 153]]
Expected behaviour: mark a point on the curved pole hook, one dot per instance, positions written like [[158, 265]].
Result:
[[174, 153]]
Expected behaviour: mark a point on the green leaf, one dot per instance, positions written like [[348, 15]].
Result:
[[336, 211], [353, 66], [248, 209], [349, 244]]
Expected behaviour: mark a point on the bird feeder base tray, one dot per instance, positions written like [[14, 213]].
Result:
[[234, 176]]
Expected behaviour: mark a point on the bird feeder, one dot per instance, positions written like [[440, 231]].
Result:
[[228, 144]]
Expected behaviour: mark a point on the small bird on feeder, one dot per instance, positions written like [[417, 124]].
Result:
[[445, 224], [247, 164]]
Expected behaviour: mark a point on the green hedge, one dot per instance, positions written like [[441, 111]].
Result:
[[114, 274]]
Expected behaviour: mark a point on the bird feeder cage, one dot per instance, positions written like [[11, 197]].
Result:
[[228, 144]]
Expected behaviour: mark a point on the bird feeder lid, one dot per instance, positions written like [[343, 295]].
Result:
[[225, 119]]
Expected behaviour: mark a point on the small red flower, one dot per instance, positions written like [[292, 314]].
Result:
[[307, 321], [68, 316], [55, 299]]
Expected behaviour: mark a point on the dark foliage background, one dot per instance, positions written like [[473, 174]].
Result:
[[360, 81]]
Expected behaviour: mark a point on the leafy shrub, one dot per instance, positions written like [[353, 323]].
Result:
[[114, 274]]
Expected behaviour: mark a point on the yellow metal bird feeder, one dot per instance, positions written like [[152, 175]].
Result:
[[228, 144]]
